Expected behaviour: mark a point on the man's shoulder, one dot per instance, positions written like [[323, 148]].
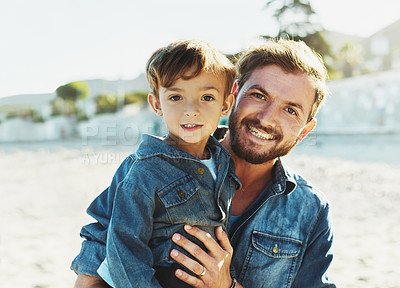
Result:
[[305, 189]]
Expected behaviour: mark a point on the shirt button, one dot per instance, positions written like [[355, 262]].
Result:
[[275, 249], [181, 193], [200, 171]]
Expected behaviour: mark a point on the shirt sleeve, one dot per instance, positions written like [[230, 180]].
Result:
[[129, 256], [93, 250], [313, 272]]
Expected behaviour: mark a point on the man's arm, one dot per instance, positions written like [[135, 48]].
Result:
[[216, 261], [313, 272], [86, 281]]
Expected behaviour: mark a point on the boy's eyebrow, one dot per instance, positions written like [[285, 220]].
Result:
[[205, 88], [210, 88], [290, 103]]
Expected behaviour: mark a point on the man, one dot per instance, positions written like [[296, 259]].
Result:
[[280, 234]]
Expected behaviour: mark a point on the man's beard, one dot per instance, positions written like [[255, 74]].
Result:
[[249, 152]]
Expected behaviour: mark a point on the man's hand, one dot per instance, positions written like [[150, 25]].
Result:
[[212, 267], [86, 281]]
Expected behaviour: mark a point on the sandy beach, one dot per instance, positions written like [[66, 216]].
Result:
[[46, 187]]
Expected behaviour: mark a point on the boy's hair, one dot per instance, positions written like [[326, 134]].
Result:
[[292, 57], [177, 59]]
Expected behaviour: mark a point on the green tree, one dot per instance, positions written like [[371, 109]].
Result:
[[106, 103], [137, 97], [70, 93], [296, 20], [350, 55]]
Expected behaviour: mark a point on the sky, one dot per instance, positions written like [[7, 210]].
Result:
[[48, 43]]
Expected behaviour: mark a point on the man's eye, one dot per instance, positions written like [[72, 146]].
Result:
[[259, 96], [175, 98], [207, 98], [291, 111]]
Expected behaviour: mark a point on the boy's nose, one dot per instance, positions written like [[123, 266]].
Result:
[[192, 110]]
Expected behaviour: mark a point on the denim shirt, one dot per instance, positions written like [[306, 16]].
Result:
[[155, 192], [285, 238]]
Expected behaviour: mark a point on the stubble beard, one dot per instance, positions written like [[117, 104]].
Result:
[[248, 152]]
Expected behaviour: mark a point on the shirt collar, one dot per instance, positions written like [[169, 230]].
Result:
[[154, 146], [284, 181]]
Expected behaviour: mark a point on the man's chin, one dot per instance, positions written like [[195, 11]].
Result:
[[249, 155]]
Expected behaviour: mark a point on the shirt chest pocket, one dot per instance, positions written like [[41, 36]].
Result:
[[276, 246], [181, 200], [271, 260]]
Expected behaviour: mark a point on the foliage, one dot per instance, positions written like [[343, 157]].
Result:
[[296, 21], [106, 103], [137, 97], [350, 55], [36, 116], [81, 115], [72, 91]]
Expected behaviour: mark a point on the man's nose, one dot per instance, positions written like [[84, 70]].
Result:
[[269, 115]]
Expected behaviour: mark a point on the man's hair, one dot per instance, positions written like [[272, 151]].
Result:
[[179, 58], [292, 57]]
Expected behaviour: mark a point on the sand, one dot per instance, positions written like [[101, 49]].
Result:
[[46, 187]]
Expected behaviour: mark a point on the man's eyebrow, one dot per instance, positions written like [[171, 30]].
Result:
[[297, 105]]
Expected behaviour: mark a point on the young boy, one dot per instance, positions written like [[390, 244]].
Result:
[[184, 178]]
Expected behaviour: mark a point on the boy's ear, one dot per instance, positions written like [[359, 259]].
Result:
[[154, 104], [228, 104]]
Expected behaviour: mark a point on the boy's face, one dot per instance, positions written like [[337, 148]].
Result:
[[192, 109]]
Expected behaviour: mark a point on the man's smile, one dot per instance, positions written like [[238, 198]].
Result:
[[259, 134]]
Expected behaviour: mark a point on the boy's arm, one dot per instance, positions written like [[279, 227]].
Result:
[[130, 259], [93, 250]]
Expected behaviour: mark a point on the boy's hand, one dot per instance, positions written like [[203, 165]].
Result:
[[212, 267]]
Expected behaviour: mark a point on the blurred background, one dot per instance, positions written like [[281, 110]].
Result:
[[73, 105]]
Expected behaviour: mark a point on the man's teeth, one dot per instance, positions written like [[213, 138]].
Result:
[[254, 131], [189, 125]]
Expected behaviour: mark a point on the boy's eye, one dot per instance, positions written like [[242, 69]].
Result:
[[207, 98], [175, 98]]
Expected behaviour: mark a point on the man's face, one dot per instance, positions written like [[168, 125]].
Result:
[[270, 115]]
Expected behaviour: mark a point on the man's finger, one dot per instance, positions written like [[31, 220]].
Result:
[[188, 262], [204, 237], [223, 239]]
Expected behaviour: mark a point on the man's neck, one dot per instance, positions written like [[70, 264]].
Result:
[[254, 178]]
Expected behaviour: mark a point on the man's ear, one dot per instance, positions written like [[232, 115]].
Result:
[[307, 129], [228, 104], [154, 104]]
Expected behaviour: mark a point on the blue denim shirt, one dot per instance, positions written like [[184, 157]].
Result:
[[283, 240], [156, 192]]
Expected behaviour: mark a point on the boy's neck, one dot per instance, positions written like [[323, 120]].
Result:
[[197, 150]]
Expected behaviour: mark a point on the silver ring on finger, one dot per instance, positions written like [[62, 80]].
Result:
[[204, 272]]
